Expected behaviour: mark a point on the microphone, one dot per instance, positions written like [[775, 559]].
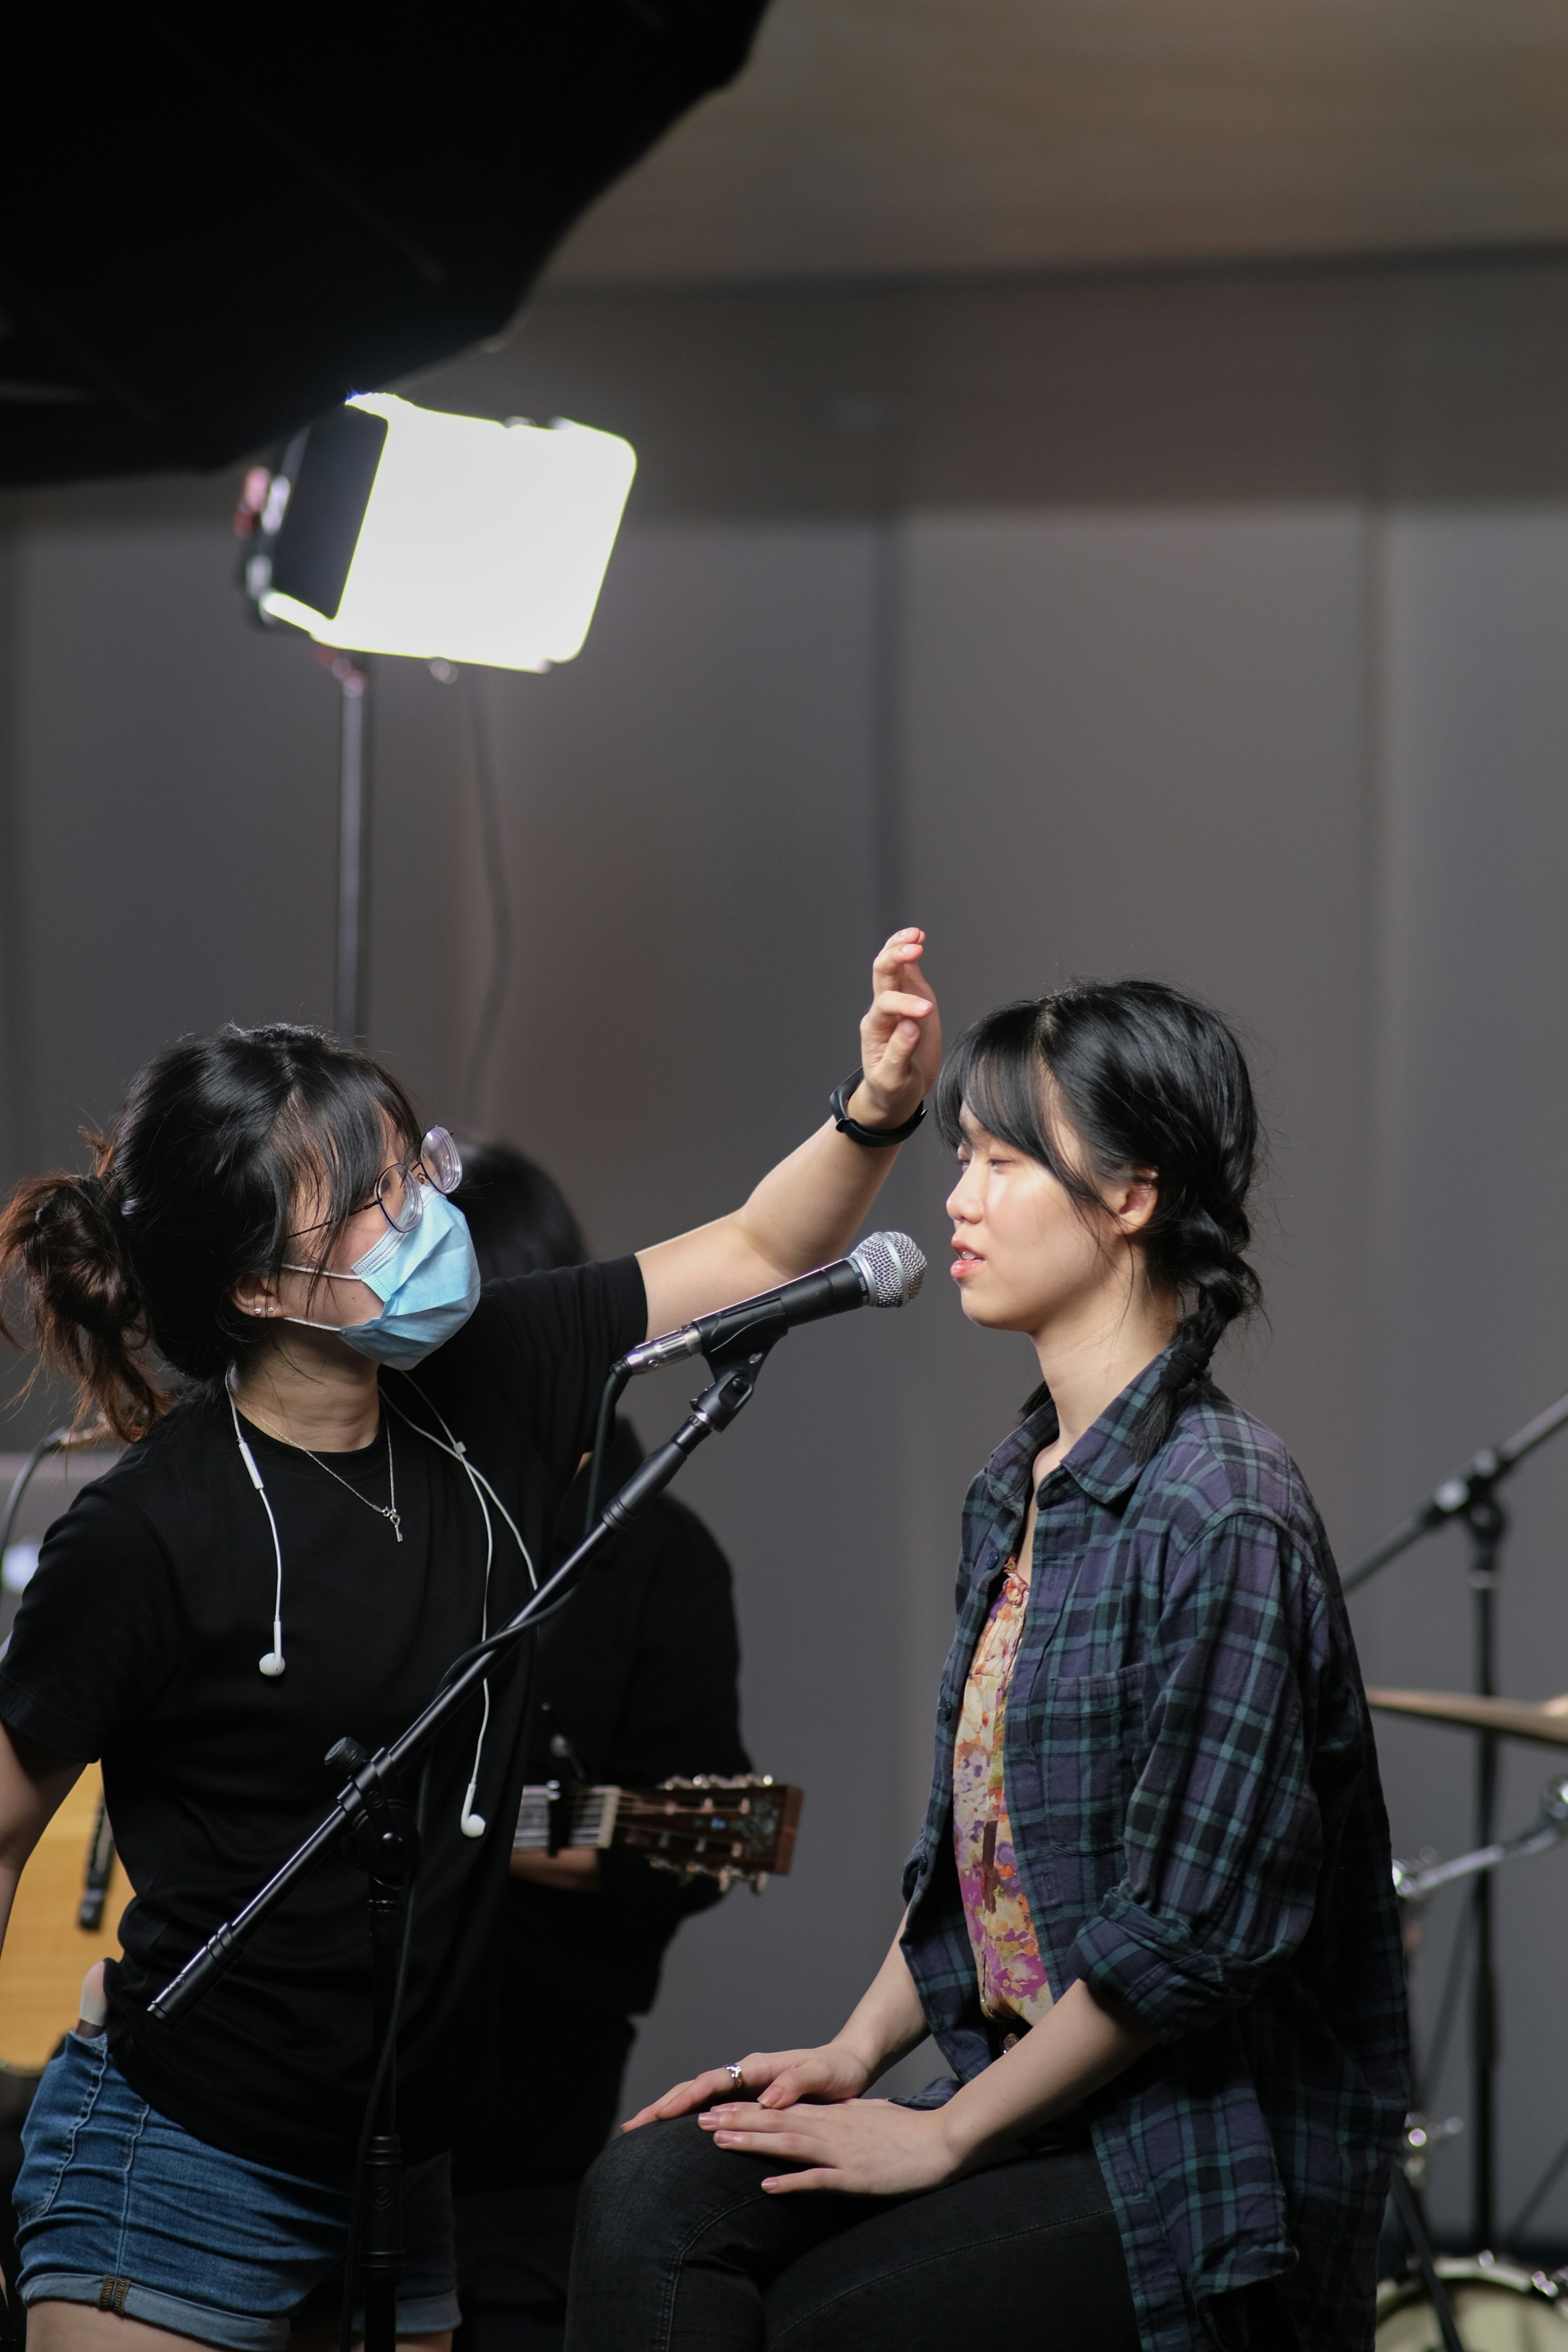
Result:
[[884, 1270]]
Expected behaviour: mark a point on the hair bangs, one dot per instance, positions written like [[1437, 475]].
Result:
[[1134, 1075], [999, 1072], [329, 1148]]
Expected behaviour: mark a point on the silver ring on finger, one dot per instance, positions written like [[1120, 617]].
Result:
[[736, 2077]]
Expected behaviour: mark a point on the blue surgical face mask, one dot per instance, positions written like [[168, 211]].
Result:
[[428, 1281]]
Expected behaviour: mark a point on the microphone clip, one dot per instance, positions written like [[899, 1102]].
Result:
[[745, 1338], [742, 1335]]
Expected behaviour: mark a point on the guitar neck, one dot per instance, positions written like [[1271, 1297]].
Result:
[[724, 1829]]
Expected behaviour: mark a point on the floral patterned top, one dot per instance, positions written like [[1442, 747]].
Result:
[[1013, 1984]]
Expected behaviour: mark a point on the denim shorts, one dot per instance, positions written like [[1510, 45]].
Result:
[[119, 2207]]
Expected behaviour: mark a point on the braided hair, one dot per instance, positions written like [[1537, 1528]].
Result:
[[1146, 1077]]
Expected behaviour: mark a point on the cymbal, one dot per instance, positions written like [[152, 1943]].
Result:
[[1543, 1719]]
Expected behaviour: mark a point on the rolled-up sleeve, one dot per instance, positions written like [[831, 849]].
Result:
[[1224, 1838]]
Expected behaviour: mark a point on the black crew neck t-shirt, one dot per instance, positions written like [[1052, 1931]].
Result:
[[138, 1641]]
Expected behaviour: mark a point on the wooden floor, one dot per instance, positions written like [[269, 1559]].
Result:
[[46, 1954]]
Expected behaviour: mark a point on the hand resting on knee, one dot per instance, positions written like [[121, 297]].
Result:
[[808, 2107], [774, 2078]]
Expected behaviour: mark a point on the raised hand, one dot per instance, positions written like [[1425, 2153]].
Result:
[[772, 2078], [901, 1037]]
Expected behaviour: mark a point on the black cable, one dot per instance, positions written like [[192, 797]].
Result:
[[361, 2153], [615, 1384], [55, 1443], [378, 2078], [488, 799]]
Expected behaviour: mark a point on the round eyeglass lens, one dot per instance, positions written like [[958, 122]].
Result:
[[398, 1193], [442, 1161]]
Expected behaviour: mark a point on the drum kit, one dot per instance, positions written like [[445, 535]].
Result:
[[1481, 2301]]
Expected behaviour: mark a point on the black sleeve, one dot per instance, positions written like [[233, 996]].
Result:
[[99, 1631], [682, 1710], [548, 1340]]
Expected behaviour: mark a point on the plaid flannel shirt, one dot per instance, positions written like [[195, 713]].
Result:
[[1195, 1807]]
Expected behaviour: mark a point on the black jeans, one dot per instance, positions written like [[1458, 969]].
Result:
[[678, 2249]]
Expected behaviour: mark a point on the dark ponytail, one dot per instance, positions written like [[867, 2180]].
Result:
[[59, 1233], [1146, 1077], [198, 1184]]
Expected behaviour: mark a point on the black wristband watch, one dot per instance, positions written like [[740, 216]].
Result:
[[881, 1137]]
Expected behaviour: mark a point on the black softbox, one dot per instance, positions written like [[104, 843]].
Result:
[[215, 224]]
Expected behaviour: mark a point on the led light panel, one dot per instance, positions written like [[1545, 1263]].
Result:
[[480, 543]]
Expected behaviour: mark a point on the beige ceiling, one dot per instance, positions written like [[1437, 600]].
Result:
[[893, 136]]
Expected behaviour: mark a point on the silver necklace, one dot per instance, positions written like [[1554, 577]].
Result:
[[382, 1510]]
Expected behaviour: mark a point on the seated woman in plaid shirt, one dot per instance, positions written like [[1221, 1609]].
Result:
[[1150, 1922]]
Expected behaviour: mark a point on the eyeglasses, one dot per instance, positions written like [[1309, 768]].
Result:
[[400, 1191], [400, 1188]]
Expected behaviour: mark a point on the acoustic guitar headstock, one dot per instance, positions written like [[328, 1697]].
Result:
[[722, 1829]]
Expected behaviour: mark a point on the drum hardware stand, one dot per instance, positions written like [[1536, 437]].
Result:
[[1471, 1496], [382, 1836], [1416, 1884], [1407, 2205]]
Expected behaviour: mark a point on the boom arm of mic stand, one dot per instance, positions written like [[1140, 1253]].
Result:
[[710, 1413], [1455, 1495]]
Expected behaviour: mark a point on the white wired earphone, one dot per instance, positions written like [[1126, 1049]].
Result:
[[471, 1823]]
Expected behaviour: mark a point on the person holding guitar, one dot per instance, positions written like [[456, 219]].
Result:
[[345, 1463], [633, 1682], [1150, 1920]]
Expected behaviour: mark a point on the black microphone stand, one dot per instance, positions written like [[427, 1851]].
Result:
[[1471, 1496], [380, 1831]]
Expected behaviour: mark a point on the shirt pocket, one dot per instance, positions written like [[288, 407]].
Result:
[[1090, 1732]]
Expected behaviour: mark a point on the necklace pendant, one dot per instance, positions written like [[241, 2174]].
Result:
[[396, 1524]]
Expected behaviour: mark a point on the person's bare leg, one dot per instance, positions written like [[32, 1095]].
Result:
[[82, 2327]]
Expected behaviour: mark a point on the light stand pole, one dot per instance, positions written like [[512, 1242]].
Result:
[[352, 971]]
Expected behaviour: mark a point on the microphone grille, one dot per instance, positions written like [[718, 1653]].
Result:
[[892, 1265]]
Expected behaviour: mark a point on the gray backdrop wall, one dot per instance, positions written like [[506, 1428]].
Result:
[[1210, 628]]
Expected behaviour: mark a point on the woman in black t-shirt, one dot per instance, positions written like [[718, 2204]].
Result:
[[360, 1472]]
